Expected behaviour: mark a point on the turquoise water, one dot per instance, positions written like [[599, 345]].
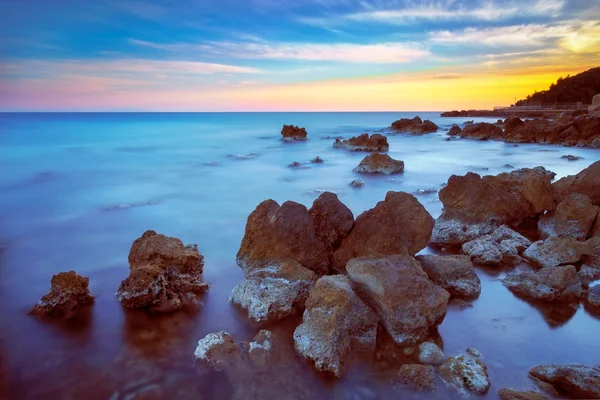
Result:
[[77, 189]]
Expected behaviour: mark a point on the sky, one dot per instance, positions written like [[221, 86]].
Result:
[[288, 55]]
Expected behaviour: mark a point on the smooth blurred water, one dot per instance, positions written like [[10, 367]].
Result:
[[77, 189]]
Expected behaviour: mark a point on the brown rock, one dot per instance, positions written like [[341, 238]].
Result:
[[292, 133], [364, 142], [482, 131], [465, 373], [332, 219], [379, 164], [416, 377], [218, 351], [275, 233], [548, 284], [68, 292], [454, 130], [572, 219], [509, 394], [586, 182], [415, 126], [593, 296], [575, 380], [512, 123], [455, 274], [397, 225], [408, 304], [502, 247], [559, 251]]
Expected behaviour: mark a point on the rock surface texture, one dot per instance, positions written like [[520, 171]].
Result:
[[415, 126], [455, 274], [379, 164], [416, 377], [333, 221], [364, 142], [502, 247], [575, 380], [466, 373], [548, 284], [68, 292], [572, 219], [560, 251], [586, 182], [291, 133]]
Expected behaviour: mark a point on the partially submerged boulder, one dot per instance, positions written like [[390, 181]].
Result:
[[559, 251], [292, 133], [165, 275], [575, 380], [335, 326], [68, 292], [455, 274], [275, 291], [466, 373], [502, 247], [415, 126], [333, 221], [416, 377], [397, 225], [408, 304], [586, 182], [482, 131], [559, 283], [509, 394], [379, 164], [218, 351], [454, 130], [572, 219], [364, 142]]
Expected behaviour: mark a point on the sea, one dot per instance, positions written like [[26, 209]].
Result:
[[76, 189]]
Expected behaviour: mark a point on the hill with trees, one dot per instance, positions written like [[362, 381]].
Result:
[[572, 89]]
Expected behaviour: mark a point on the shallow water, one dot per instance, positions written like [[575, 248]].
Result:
[[77, 189]]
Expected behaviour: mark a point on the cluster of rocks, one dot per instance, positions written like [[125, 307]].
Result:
[[364, 142], [473, 113], [291, 133], [416, 126]]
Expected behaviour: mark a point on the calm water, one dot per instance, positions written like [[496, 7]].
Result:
[[77, 189]]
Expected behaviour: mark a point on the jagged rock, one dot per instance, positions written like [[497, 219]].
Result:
[[572, 219], [416, 377], [589, 273], [397, 225], [379, 164], [502, 247], [68, 292], [430, 353], [218, 351], [335, 326], [586, 182], [357, 183], [509, 394], [570, 157], [465, 373], [332, 219], [559, 283], [317, 160], [415, 126], [454, 130], [275, 233], [512, 123], [559, 251], [408, 304], [455, 274], [292, 133], [164, 275], [576, 380], [364, 142], [593, 296], [275, 291], [482, 131]]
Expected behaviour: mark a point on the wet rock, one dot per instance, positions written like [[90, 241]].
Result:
[[408, 304], [559, 283], [165, 275], [332, 219], [415, 126], [455, 130], [575, 380], [260, 349], [570, 157], [379, 164], [424, 192], [465, 373], [364, 142], [357, 183], [559, 251], [586, 182], [317, 160], [512, 123], [416, 377], [275, 233], [509, 394], [593, 296], [430, 353], [397, 225], [481, 131], [120, 207], [502, 247], [243, 156], [296, 164], [572, 219], [275, 291], [68, 292], [218, 351], [335, 326], [455, 274], [292, 133]]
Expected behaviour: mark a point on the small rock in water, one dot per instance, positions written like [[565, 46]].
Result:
[[212, 164], [119, 207], [358, 183], [317, 160], [416, 377], [424, 192], [69, 291], [297, 164], [430, 353], [570, 157], [379, 163], [508, 166], [594, 296], [466, 373], [291, 133], [243, 156]]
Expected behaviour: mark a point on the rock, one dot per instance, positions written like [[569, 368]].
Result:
[[570, 157], [465, 373], [275, 233], [408, 304], [430, 353], [292, 133], [559, 283], [595, 103], [260, 349], [218, 351], [364, 142], [512, 123], [397, 225], [68, 292], [335, 326], [509, 394], [589, 273], [379, 164], [454, 130], [593, 296], [415, 126], [586, 182], [164, 275], [317, 160], [357, 183], [455, 274], [502, 247], [575, 380], [559, 251], [275, 291], [572, 219], [416, 377], [295, 164], [333, 221], [482, 131]]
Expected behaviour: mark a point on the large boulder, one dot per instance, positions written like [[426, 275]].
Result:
[[482, 131], [364, 142], [586, 182], [275, 233], [548, 284], [501, 247], [455, 274], [415, 126], [559, 251], [68, 292], [408, 304], [335, 326], [379, 164], [397, 225], [292, 133], [572, 219], [333, 221], [165, 275], [275, 291], [466, 373], [575, 380]]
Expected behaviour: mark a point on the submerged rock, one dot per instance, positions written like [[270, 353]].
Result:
[[275, 291], [335, 326], [572, 219], [455, 274], [559, 283], [379, 164], [466, 373], [357, 183], [575, 380], [68, 292], [317, 160], [586, 182], [397, 225], [364, 142], [570, 157], [416, 377], [408, 304], [509, 394], [415, 126], [218, 351], [333, 221], [559, 251], [292, 133], [502, 247]]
